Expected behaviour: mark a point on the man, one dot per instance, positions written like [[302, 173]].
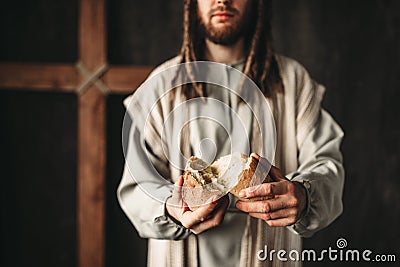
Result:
[[308, 173]]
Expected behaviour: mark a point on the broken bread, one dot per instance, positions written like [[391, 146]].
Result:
[[231, 173]]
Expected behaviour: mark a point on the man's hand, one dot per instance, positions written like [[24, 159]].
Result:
[[205, 217], [287, 205]]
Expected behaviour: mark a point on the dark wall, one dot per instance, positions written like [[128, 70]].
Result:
[[39, 31], [353, 47], [124, 248], [38, 178], [38, 139], [143, 32]]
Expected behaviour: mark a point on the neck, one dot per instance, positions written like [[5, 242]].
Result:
[[224, 54]]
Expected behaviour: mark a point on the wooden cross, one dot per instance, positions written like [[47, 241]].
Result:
[[91, 79]]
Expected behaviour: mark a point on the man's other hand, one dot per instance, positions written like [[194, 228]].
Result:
[[205, 217], [287, 205]]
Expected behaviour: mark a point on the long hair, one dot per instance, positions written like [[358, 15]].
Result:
[[260, 64]]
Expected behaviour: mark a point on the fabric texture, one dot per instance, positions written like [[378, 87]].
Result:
[[308, 150]]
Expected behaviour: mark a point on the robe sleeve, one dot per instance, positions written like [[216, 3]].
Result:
[[322, 174], [142, 193]]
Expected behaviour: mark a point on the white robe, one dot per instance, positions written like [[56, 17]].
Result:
[[308, 151]]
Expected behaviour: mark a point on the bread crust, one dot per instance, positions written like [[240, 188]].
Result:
[[196, 194], [246, 180]]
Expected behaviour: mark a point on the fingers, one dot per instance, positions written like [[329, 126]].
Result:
[[282, 210], [179, 182], [175, 205], [279, 214], [178, 187], [176, 198], [264, 190], [281, 222], [264, 206], [190, 218], [214, 221]]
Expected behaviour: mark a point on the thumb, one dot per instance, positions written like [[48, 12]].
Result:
[[274, 172], [179, 182], [179, 185]]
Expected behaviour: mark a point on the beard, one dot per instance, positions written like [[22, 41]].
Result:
[[227, 34]]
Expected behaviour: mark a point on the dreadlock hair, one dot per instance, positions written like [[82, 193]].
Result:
[[260, 64]]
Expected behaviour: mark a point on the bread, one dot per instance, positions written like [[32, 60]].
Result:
[[231, 173]]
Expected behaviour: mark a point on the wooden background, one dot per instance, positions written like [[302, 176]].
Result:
[[61, 150]]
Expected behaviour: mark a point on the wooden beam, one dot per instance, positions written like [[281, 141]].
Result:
[[92, 139], [125, 79], [41, 77], [91, 178], [92, 33]]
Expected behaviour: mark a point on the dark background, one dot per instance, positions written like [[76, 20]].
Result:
[[352, 47]]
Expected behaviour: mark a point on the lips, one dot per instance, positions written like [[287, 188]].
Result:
[[222, 14]]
